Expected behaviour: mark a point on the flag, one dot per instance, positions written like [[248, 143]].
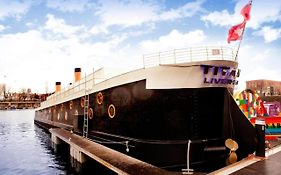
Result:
[[236, 32], [245, 11]]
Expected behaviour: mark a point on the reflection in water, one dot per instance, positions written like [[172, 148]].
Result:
[[27, 149]]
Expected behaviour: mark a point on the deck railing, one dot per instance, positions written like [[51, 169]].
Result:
[[75, 90], [176, 56], [188, 55]]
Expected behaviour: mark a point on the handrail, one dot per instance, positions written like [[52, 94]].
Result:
[[175, 56], [188, 55]]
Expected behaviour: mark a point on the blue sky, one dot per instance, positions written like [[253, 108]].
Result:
[[42, 41]]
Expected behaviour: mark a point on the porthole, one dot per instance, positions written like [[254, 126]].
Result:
[[82, 102], [99, 98], [90, 113], [70, 104], [111, 111]]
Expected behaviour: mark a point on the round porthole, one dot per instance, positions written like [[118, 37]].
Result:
[[111, 111], [82, 102], [70, 104], [90, 113], [99, 98]]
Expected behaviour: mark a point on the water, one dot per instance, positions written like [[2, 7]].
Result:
[[26, 149]]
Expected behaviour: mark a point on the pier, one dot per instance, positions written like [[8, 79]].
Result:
[[268, 165], [81, 148]]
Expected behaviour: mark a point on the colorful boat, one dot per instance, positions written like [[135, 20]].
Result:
[[179, 100]]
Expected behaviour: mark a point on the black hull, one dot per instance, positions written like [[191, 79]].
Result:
[[156, 124]]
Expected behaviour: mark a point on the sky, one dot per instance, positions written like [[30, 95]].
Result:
[[42, 41]]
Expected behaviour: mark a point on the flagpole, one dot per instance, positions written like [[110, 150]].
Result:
[[240, 41], [250, 2]]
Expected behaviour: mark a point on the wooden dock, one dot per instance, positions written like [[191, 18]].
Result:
[[120, 163], [268, 165], [114, 160]]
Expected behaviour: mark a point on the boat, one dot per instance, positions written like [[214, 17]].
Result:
[[177, 109]]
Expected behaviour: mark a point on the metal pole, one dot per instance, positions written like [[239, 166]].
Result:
[[240, 42], [188, 170], [242, 35]]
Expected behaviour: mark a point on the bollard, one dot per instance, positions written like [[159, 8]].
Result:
[[260, 131]]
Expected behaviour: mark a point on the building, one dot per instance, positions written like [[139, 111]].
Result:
[[2, 91], [265, 87]]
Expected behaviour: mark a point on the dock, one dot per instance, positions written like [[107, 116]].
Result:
[[268, 165], [113, 160], [81, 147]]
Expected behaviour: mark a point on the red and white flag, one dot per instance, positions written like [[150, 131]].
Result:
[[235, 32], [245, 11]]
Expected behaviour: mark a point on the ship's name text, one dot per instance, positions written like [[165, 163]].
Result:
[[220, 74]]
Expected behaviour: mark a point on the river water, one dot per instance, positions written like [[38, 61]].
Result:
[[26, 149]]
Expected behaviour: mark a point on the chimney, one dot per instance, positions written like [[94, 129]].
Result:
[[77, 74], [58, 86]]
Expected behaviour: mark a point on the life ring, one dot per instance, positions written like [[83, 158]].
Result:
[[111, 111], [90, 113], [70, 104], [82, 102], [99, 98]]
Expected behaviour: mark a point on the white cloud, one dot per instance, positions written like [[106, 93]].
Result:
[[174, 39], [59, 26], [14, 8], [30, 24], [269, 34], [187, 10], [97, 29], [265, 11], [257, 74], [127, 13], [262, 12], [2, 28], [222, 18], [69, 5], [258, 62], [137, 12], [30, 56]]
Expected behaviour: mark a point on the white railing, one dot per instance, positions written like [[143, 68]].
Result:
[[176, 56], [77, 89], [188, 55]]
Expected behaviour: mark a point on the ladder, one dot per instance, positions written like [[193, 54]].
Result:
[[86, 109]]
